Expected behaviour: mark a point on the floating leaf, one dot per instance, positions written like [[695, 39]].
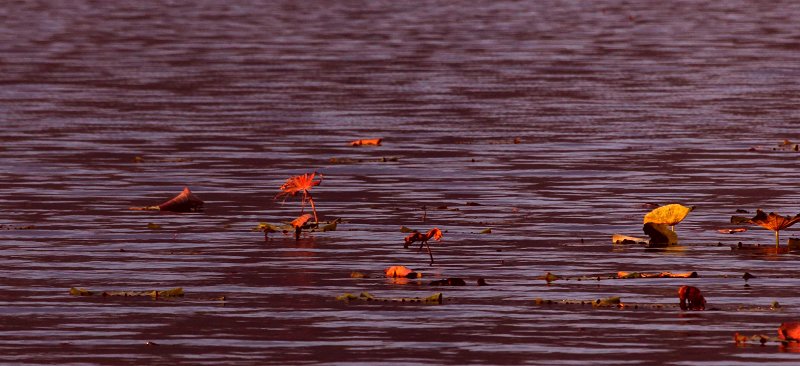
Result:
[[732, 231], [366, 142], [486, 231], [482, 282], [614, 301], [366, 296], [155, 294], [668, 215], [153, 226], [629, 275], [449, 282], [330, 227], [358, 275], [404, 229], [80, 292], [660, 234], [691, 298], [549, 277]]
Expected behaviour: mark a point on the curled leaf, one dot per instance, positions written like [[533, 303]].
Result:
[[486, 231], [186, 201], [668, 215]]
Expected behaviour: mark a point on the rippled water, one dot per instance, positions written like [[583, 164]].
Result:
[[613, 104]]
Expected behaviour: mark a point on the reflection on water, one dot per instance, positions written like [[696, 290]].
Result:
[[558, 119]]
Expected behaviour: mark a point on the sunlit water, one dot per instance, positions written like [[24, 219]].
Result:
[[613, 104]]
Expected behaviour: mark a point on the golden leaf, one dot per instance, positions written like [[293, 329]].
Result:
[[668, 215], [773, 221]]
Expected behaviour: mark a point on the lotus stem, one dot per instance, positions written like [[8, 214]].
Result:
[[429, 252], [777, 239], [672, 228], [313, 209]]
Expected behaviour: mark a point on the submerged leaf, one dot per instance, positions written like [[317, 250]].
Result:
[[668, 215], [153, 226]]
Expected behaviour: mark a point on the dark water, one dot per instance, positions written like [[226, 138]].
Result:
[[613, 104]]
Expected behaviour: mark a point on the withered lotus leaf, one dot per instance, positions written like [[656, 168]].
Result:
[[366, 142], [774, 221], [301, 184], [397, 271], [436, 298], [627, 275], [668, 215], [300, 221], [155, 294], [624, 239], [614, 301], [789, 331], [732, 231], [660, 234], [691, 298], [186, 201], [455, 281]]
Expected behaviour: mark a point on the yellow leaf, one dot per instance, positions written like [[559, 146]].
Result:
[[668, 215]]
